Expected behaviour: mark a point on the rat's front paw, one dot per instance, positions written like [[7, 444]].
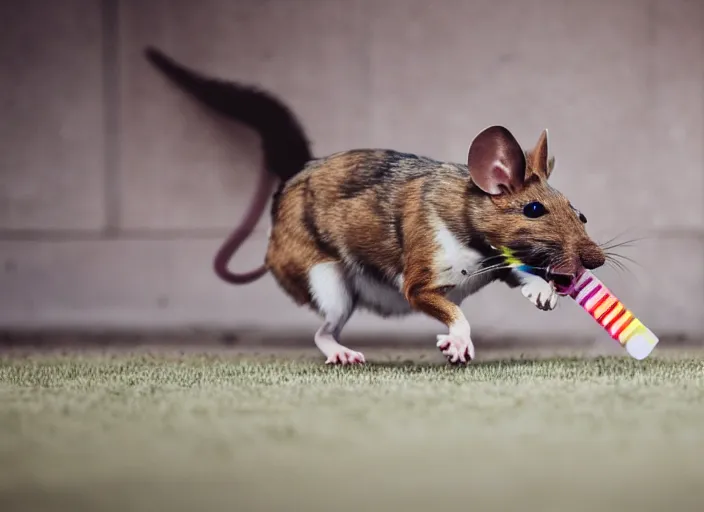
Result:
[[541, 293], [457, 349]]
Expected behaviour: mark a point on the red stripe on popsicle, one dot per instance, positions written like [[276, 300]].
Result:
[[624, 325], [615, 318], [608, 310], [598, 303]]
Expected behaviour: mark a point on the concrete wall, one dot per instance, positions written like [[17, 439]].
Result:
[[116, 190]]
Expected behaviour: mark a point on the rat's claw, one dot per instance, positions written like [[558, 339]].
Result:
[[345, 356], [455, 348], [541, 293]]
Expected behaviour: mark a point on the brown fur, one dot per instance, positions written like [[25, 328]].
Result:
[[345, 208]]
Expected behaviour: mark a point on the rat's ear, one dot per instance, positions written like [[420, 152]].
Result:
[[496, 161], [538, 160]]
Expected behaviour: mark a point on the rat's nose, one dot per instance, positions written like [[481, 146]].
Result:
[[592, 257]]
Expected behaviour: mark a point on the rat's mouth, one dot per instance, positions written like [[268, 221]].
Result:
[[564, 283], [563, 277]]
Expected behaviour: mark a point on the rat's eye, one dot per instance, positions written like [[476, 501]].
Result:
[[534, 210]]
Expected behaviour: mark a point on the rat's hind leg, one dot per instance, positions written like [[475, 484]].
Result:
[[334, 296]]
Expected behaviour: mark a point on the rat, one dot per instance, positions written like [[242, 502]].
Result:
[[396, 233]]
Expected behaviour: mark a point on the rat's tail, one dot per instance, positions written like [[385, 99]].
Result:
[[286, 149]]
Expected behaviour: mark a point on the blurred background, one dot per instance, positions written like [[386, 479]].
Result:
[[116, 189]]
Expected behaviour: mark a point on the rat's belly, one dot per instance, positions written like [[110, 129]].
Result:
[[380, 298], [386, 300]]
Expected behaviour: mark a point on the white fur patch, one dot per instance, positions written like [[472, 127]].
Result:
[[330, 291], [455, 263]]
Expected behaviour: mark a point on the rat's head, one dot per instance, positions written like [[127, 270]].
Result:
[[514, 207]]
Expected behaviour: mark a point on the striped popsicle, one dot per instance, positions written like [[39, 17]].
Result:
[[591, 294]]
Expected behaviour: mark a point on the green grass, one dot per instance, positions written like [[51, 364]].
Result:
[[241, 433]]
